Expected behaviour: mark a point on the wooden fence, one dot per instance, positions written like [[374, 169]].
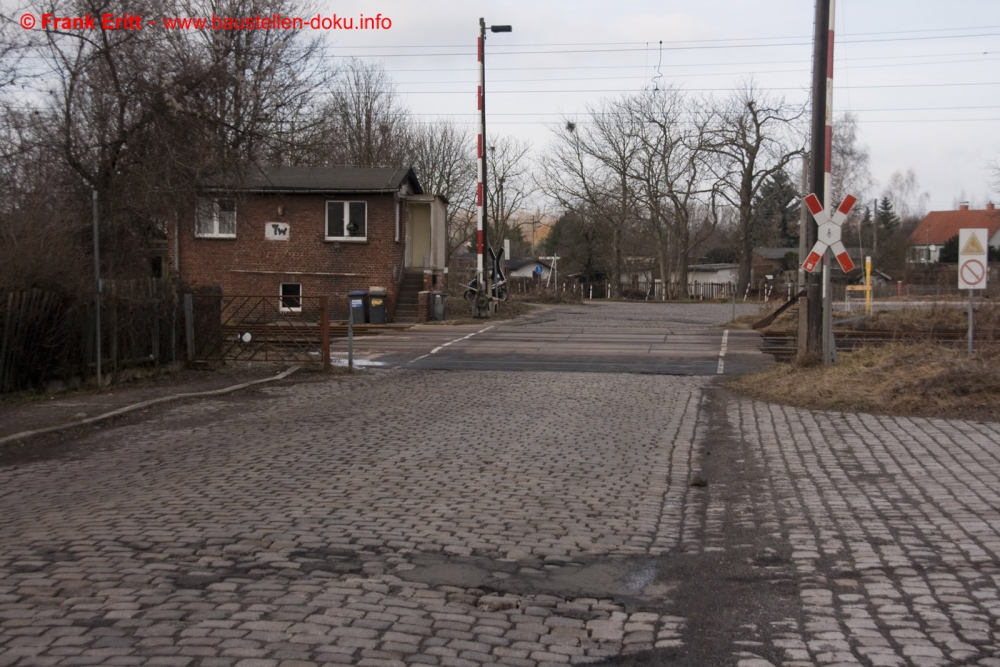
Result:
[[32, 338], [46, 336]]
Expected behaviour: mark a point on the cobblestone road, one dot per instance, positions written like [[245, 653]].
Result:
[[377, 521], [893, 527], [281, 528]]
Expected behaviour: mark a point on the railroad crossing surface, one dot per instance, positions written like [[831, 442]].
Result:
[[389, 520], [658, 338]]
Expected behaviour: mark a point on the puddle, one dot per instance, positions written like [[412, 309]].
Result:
[[609, 577], [360, 363], [638, 579]]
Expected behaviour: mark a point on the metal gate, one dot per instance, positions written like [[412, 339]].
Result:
[[257, 328]]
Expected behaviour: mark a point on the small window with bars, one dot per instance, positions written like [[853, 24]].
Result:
[[291, 297]]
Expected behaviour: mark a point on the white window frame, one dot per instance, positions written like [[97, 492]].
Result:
[[282, 296], [214, 234], [347, 215]]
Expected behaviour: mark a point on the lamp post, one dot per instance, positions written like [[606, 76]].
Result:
[[482, 307]]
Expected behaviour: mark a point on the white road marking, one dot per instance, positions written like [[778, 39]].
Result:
[[452, 342], [722, 351]]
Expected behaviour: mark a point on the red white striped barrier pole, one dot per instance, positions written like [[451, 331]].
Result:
[[481, 155]]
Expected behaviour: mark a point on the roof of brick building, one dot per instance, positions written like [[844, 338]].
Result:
[[939, 226], [321, 179]]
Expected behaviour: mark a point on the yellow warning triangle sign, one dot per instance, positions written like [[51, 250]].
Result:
[[973, 247]]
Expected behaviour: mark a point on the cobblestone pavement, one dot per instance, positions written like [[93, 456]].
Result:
[[893, 536], [282, 528], [379, 520]]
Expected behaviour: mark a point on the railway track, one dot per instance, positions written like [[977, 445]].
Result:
[[783, 344]]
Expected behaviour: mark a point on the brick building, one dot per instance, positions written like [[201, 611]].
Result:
[[313, 231]]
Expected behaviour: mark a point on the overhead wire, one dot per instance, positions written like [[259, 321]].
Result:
[[678, 65], [688, 75], [561, 91], [701, 41]]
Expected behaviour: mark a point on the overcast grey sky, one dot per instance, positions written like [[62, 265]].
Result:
[[921, 75]]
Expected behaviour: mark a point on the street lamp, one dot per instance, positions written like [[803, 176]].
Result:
[[483, 286]]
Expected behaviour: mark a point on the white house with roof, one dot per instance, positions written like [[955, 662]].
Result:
[[938, 227]]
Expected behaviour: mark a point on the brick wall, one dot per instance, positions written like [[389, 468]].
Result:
[[251, 264], [424, 308]]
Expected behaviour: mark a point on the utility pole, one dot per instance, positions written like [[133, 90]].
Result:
[[805, 221], [97, 290], [822, 91], [875, 227]]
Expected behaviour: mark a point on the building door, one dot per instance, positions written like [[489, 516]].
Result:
[[418, 247]]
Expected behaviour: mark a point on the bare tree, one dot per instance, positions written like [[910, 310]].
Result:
[[15, 43], [910, 204], [443, 158], [142, 116], [753, 138], [510, 186], [850, 161], [367, 121], [251, 92], [674, 182], [588, 172]]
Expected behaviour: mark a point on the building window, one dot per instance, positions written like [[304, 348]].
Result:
[[346, 221], [216, 218], [291, 297]]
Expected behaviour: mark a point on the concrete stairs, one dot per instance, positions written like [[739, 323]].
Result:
[[406, 304]]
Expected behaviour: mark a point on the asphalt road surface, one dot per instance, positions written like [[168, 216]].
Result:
[[530, 517], [595, 337]]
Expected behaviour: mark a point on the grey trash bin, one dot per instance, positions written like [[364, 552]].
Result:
[[376, 304], [356, 304], [438, 300]]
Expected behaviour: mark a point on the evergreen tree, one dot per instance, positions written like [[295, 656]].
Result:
[[886, 217], [949, 251], [866, 222], [777, 203]]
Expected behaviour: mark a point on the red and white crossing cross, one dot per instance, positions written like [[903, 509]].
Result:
[[828, 235]]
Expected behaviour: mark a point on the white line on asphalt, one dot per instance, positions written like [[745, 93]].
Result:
[[722, 351], [451, 342]]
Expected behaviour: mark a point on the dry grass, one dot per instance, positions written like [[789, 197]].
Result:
[[935, 318], [913, 380]]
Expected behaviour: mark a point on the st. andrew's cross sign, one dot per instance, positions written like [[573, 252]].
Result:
[[828, 235]]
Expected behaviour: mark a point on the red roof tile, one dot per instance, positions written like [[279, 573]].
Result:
[[939, 226]]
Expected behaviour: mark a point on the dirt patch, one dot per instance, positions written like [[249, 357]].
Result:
[[544, 296], [460, 312], [918, 380]]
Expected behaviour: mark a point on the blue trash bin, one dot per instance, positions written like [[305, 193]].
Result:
[[356, 302]]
